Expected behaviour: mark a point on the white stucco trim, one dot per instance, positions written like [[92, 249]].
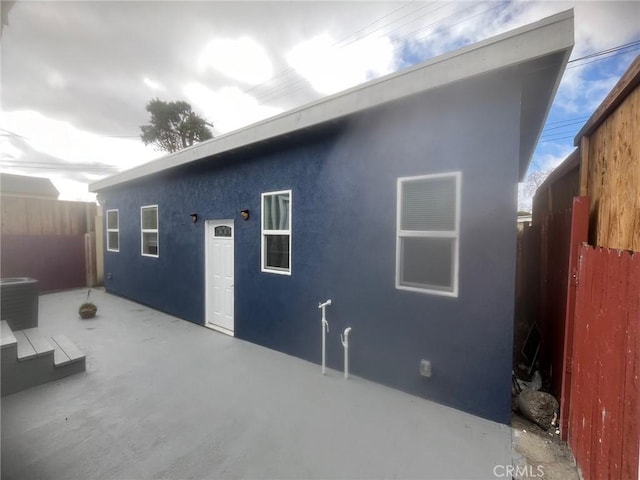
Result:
[[452, 234], [112, 230], [149, 230], [263, 234]]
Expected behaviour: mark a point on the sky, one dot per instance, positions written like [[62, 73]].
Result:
[[76, 76]]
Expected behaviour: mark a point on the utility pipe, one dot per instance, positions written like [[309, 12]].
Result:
[[325, 330], [345, 344]]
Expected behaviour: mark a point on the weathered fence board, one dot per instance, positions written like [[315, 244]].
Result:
[[579, 233], [556, 233], [604, 417], [32, 216]]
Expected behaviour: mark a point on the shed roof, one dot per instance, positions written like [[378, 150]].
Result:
[[627, 84], [539, 51], [20, 185]]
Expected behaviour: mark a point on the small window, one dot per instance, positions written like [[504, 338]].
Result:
[[276, 232], [149, 230], [222, 231], [113, 231], [427, 233]]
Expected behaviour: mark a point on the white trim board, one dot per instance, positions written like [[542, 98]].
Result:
[[455, 234], [264, 233], [150, 230], [111, 230]]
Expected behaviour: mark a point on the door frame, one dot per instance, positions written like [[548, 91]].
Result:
[[209, 225]]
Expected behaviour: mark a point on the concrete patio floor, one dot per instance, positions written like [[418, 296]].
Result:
[[163, 398]]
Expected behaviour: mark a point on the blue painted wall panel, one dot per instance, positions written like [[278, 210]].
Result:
[[343, 181]]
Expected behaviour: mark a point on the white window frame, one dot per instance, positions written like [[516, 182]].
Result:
[[111, 230], [264, 233], [455, 234], [150, 230]]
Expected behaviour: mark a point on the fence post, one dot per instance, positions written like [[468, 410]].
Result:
[[90, 258]]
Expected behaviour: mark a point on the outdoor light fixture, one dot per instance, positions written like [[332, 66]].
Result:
[[244, 214], [194, 217]]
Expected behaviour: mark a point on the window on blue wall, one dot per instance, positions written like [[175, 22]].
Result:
[[113, 231], [276, 232], [149, 230], [427, 233]]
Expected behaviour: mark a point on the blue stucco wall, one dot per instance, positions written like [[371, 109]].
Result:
[[343, 181]]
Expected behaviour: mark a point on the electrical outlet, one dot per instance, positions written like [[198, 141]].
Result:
[[425, 368]]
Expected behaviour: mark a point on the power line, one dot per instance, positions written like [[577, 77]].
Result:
[[288, 70], [558, 136], [300, 82], [9, 133], [286, 88], [567, 124], [48, 164], [604, 52], [556, 139], [596, 56], [603, 58], [13, 134], [567, 120]]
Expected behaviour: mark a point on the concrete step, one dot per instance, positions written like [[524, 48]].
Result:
[[9, 352], [30, 358], [7, 338], [65, 351], [32, 343]]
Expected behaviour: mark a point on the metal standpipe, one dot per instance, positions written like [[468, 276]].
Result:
[[325, 330], [345, 343]]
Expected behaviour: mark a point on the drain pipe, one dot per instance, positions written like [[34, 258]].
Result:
[[345, 344], [325, 330]]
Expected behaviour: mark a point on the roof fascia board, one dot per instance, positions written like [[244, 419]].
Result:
[[527, 150], [518, 46]]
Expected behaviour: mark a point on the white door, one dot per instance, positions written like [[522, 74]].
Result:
[[219, 275]]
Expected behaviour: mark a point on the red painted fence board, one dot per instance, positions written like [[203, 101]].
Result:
[[579, 233], [556, 232], [56, 261], [604, 415]]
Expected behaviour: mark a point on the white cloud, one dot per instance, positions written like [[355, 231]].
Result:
[[73, 190], [65, 141], [153, 85], [330, 68], [228, 108], [549, 161], [605, 24], [580, 93], [56, 80], [8, 151], [242, 59]]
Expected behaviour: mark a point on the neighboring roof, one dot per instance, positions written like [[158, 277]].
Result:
[[19, 185], [627, 84], [540, 49]]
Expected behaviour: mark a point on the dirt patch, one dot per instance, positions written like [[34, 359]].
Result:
[[540, 454]]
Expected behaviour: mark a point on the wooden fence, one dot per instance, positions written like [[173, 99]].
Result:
[[58, 262], [604, 413], [33, 216], [47, 240], [589, 315], [556, 231]]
